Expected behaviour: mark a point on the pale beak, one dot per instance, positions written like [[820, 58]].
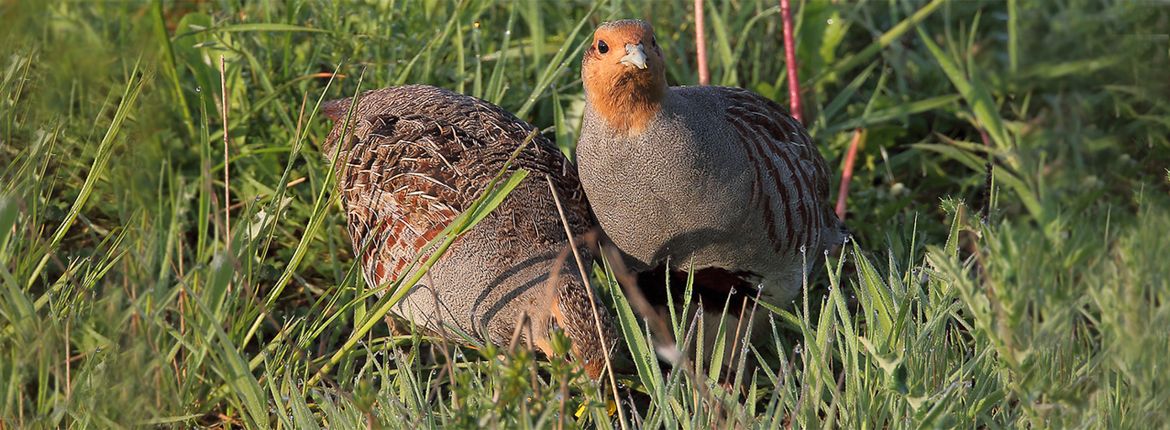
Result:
[[635, 56]]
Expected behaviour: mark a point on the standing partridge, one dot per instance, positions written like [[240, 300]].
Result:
[[413, 159], [717, 177]]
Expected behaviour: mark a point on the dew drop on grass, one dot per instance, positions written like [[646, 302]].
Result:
[[803, 249], [732, 293]]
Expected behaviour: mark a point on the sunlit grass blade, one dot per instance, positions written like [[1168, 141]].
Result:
[[100, 162]]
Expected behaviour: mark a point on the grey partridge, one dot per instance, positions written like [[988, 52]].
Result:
[[414, 158], [717, 177]]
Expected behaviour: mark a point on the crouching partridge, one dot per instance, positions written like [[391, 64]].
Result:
[[717, 177], [413, 159]]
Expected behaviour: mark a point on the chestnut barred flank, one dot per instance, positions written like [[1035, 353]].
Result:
[[791, 180]]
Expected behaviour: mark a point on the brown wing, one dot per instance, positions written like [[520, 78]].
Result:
[[418, 156], [791, 181]]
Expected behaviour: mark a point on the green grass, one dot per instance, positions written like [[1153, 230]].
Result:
[[125, 302]]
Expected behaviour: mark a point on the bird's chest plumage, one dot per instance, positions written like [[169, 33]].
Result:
[[667, 192]]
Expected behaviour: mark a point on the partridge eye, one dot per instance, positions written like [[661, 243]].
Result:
[[602, 47]]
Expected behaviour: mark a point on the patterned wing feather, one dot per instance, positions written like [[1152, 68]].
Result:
[[791, 179], [416, 157]]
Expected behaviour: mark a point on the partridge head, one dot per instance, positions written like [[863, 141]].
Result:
[[625, 74]]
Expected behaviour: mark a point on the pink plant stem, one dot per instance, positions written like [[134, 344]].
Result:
[[847, 174], [790, 61], [701, 44]]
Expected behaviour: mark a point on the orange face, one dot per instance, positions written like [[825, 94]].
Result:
[[625, 45], [624, 72]]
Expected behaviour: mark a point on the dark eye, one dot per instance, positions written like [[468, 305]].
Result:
[[602, 47]]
